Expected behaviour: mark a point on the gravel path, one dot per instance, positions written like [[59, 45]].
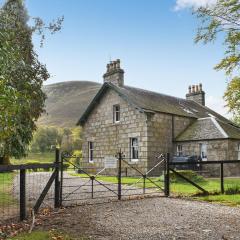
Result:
[[152, 218]]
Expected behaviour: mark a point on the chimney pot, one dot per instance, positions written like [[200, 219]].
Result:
[[189, 89], [197, 88], [200, 87], [193, 88], [114, 65], [108, 67], [118, 63]]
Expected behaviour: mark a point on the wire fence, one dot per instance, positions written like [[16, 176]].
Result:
[[20, 189]]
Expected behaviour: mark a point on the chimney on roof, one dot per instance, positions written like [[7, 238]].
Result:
[[195, 93], [114, 74]]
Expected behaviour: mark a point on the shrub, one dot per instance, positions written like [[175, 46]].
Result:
[[66, 166], [33, 163], [233, 190], [191, 175]]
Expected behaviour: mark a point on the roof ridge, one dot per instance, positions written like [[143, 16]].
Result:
[[215, 122], [150, 91]]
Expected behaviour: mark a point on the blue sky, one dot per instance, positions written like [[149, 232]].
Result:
[[153, 38]]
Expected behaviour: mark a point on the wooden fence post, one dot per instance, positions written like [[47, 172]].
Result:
[[167, 177], [119, 175], [222, 178], [22, 194], [57, 182]]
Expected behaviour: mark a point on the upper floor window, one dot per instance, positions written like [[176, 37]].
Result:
[[116, 113], [134, 149], [179, 150], [90, 151]]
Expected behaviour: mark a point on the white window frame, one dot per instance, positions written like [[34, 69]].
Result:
[[238, 151], [179, 150], [116, 113], [90, 151], [133, 148], [203, 151]]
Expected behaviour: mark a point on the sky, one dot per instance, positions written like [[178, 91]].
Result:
[[153, 38]]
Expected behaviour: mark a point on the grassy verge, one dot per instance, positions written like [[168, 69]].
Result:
[[47, 157], [231, 200], [44, 235], [6, 181]]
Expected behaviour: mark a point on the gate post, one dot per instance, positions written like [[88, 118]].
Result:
[[57, 182], [119, 175], [167, 177], [61, 180], [22, 194], [222, 178]]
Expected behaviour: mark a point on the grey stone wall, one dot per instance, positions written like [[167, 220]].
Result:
[[162, 128], [109, 137], [180, 124]]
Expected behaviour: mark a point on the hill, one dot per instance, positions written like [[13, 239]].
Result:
[[66, 101]]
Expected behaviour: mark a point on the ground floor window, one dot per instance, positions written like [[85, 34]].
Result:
[[179, 150], [134, 149], [238, 151], [90, 151], [203, 151]]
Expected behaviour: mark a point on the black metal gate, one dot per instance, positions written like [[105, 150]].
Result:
[[82, 183]]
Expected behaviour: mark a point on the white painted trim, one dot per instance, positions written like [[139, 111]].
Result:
[[219, 127], [204, 118]]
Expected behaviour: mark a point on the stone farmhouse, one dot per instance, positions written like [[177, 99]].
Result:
[[144, 124]]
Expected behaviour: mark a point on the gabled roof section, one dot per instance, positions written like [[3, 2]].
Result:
[[209, 128], [148, 101], [96, 99]]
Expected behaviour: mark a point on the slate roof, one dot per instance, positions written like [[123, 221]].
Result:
[[148, 101], [209, 129]]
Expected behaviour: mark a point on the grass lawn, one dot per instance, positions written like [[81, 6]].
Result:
[[43, 235], [137, 181], [211, 185], [47, 157], [6, 180], [232, 200]]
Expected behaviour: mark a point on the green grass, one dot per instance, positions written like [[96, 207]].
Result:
[[126, 180], [6, 198], [211, 185], [43, 235], [47, 157], [232, 200]]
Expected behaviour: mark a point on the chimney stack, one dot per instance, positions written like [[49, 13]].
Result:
[[195, 93], [114, 74]]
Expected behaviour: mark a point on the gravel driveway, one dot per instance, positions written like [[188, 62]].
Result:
[[152, 218]]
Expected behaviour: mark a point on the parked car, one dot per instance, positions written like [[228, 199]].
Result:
[[180, 159]]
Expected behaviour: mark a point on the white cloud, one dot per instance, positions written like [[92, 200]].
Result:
[[182, 4], [218, 105]]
